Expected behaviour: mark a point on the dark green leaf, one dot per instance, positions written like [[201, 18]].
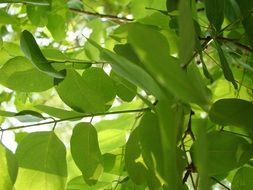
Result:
[[225, 66], [34, 54], [19, 74], [78, 95], [235, 111], [172, 5], [248, 26], [243, 179], [215, 12], [234, 152], [42, 160], [245, 6], [86, 153]]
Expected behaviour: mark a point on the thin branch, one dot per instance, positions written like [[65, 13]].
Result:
[[216, 180], [113, 17], [77, 61], [234, 41], [76, 117]]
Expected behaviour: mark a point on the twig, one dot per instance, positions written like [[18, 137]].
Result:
[[113, 17], [216, 180], [76, 117]]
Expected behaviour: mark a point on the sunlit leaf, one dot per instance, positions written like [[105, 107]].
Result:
[[8, 167], [42, 161], [19, 74]]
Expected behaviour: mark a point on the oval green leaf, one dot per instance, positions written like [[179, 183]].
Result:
[[19, 74], [232, 111], [86, 153], [79, 95]]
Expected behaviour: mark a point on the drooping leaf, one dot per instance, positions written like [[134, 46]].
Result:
[[42, 161], [86, 153], [234, 152], [8, 167], [243, 179], [215, 12], [32, 51], [19, 74], [232, 111], [225, 66], [77, 94]]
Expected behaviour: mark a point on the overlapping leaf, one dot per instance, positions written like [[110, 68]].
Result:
[[34, 54]]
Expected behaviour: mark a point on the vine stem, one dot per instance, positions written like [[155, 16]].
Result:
[[76, 117], [113, 17]]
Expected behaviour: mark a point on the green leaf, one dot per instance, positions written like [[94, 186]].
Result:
[[215, 12], [124, 89], [153, 50], [6, 18], [186, 33], [34, 54], [243, 179], [42, 160], [57, 26], [38, 14], [234, 152], [232, 111], [77, 94], [19, 74], [225, 66], [134, 163], [59, 113], [129, 71], [86, 153], [8, 167], [101, 83]]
